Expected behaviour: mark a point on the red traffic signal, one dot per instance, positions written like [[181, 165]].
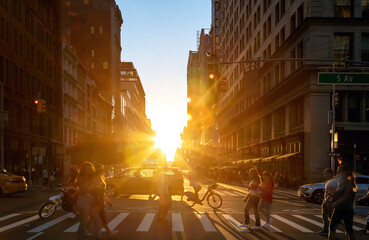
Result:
[[211, 76], [36, 101]]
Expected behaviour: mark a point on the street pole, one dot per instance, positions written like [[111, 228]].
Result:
[[354, 157], [333, 163], [2, 126]]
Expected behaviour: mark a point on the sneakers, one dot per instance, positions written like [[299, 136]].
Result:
[[87, 234], [323, 232], [266, 225], [255, 227], [244, 225]]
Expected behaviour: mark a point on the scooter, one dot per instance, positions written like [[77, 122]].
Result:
[[65, 200]]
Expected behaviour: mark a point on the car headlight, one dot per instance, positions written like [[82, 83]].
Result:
[[310, 188]]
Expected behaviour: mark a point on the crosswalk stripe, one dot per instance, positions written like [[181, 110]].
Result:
[[73, 228], [116, 221], [231, 194], [220, 193], [353, 226], [235, 223], [270, 228], [177, 224], [146, 222], [359, 220], [35, 236], [16, 224], [9, 216], [292, 224], [312, 221], [50, 223], [206, 223]]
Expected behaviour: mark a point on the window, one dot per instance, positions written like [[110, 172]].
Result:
[[342, 8], [105, 65], [92, 30], [292, 23], [365, 47], [101, 30], [354, 107], [365, 8], [367, 107], [276, 14], [92, 53], [343, 46], [92, 65]]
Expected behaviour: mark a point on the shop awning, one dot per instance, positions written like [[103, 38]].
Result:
[[270, 158], [286, 156]]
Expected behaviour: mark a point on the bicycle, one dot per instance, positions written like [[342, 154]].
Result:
[[188, 198]]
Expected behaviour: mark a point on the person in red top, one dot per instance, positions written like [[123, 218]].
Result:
[[266, 188]]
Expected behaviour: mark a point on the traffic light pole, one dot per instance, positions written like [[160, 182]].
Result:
[[333, 162]]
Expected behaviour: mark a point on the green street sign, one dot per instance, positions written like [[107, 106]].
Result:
[[343, 78]]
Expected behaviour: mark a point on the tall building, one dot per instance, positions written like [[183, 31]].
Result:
[[274, 114], [30, 69], [93, 27]]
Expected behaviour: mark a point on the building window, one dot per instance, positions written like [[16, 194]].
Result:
[[365, 47], [92, 53], [92, 30], [354, 107], [342, 8], [367, 107], [343, 48], [292, 23], [101, 30], [92, 65], [365, 8], [105, 65]]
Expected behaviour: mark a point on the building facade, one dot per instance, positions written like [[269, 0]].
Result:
[[274, 114], [30, 69]]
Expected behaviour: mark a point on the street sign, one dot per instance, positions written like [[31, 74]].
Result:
[[333, 154], [343, 78]]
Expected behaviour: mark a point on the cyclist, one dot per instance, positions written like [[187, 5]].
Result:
[[195, 183]]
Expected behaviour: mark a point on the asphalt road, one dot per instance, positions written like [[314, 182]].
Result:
[[134, 218]]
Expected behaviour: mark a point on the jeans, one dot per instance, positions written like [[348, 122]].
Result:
[[252, 202], [265, 209], [347, 215], [326, 213], [86, 208]]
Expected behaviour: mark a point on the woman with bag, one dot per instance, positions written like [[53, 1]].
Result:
[[252, 199]]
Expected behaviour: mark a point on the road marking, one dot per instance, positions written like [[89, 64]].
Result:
[[292, 224], [9, 216], [235, 223], [206, 223], [73, 228], [146, 222], [50, 223], [35, 236], [116, 221], [177, 224], [312, 221], [353, 226], [270, 228], [220, 193], [232, 194], [359, 220], [16, 224]]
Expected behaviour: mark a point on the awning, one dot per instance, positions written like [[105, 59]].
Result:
[[270, 158], [254, 160], [286, 156]]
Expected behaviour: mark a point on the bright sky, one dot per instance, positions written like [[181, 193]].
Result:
[[157, 37]]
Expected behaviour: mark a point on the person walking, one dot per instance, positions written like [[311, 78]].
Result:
[[266, 188], [343, 203], [45, 177], [85, 201], [366, 228], [164, 196], [330, 187], [252, 199]]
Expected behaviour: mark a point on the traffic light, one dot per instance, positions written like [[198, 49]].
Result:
[[211, 76], [40, 105], [43, 106]]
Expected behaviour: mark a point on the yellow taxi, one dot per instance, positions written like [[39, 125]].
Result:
[[11, 183]]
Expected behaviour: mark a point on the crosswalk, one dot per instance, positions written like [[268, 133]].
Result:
[[282, 223]]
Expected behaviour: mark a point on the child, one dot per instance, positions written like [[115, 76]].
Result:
[[266, 188]]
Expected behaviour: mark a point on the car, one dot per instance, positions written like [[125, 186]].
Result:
[[11, 183], [314, 192], [143, 180]]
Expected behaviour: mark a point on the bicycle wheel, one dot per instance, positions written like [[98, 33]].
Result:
[[187, 199], [47, 210], [214, 200]]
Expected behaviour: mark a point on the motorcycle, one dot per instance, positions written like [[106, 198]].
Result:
[[65, 200]]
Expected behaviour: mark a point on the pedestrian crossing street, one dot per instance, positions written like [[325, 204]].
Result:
[[178, 222]]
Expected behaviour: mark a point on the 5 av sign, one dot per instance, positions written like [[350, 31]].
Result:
[[343, 78]]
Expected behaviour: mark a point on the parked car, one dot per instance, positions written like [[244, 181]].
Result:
[[314, 192], [11, 183], [143, 180]]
